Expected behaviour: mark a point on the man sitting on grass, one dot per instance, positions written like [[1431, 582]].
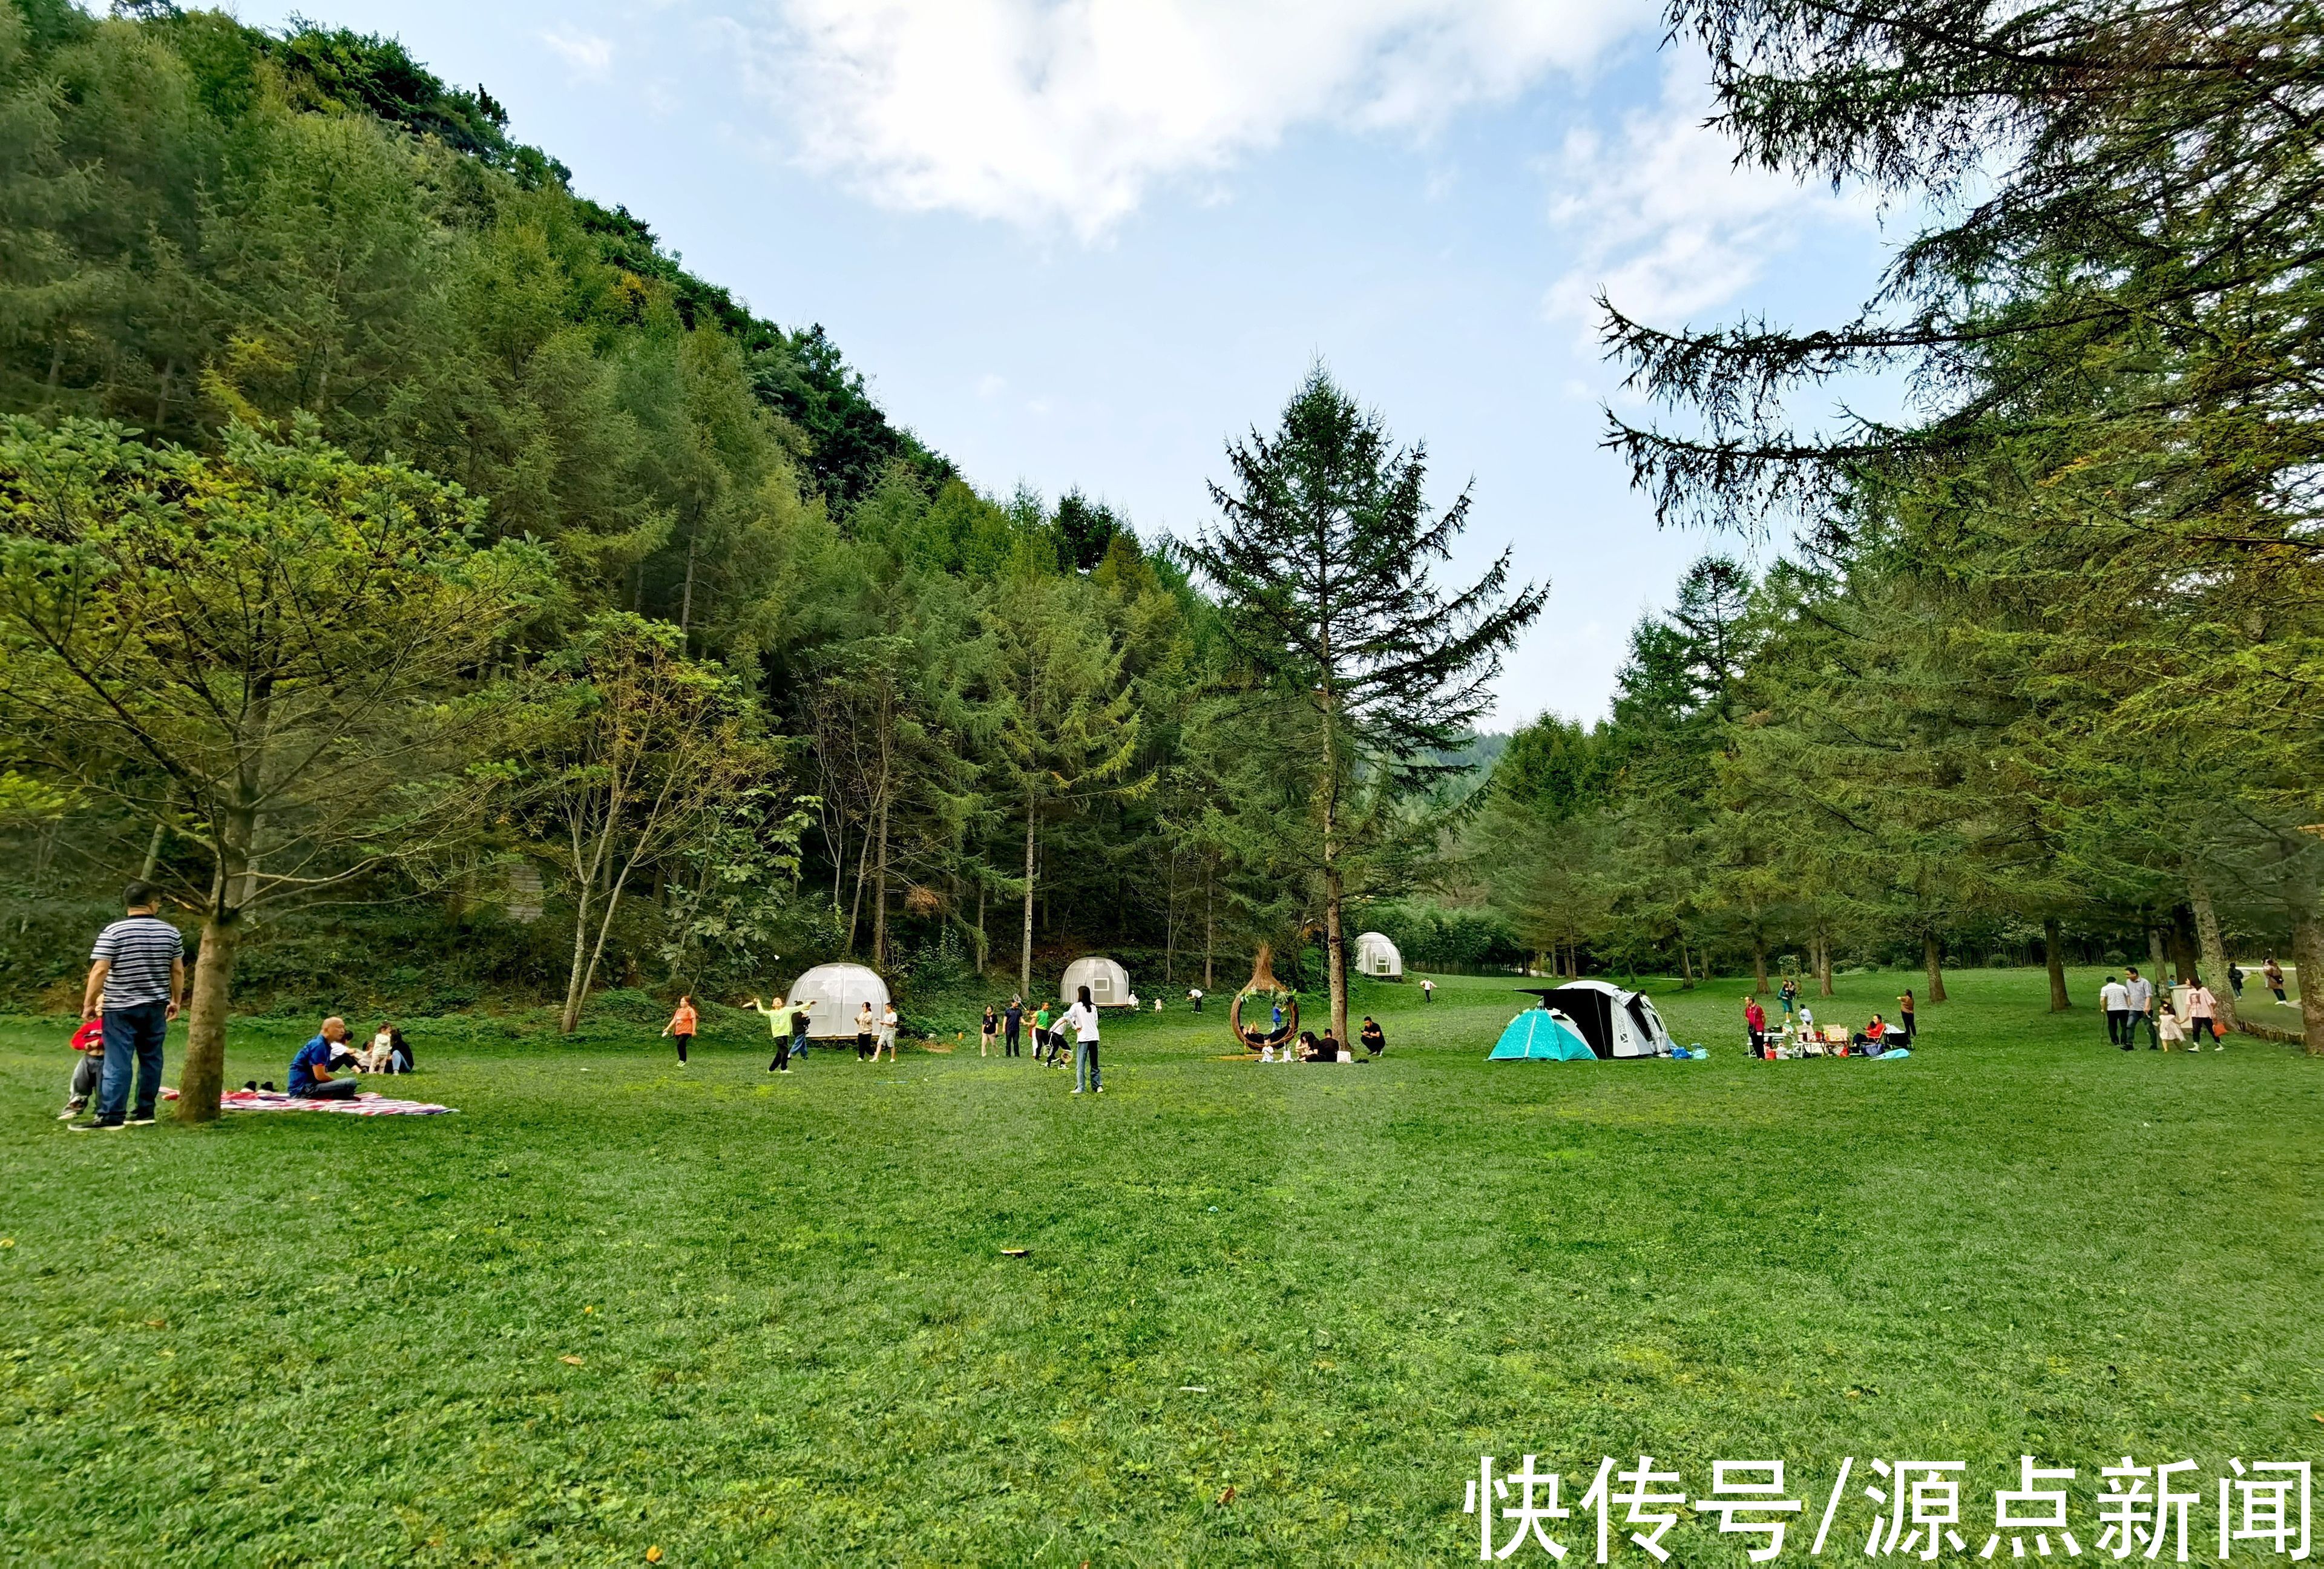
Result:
[[310, 1070]]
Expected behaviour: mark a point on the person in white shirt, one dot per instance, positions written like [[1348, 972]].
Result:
[[1195, 995], [1081, 1020], [887, 1022], [1427, 989], [2114, 1001], [2138, 994]]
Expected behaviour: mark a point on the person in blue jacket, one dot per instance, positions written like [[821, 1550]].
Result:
[[310, 1070]]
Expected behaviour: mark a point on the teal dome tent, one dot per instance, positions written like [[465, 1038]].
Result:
[[1539, 1035]]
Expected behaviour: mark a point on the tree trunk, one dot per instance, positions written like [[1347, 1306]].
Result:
[[153, 852], [1210, 919], [201, 1077], [1170, 926], [1685, 969], [1824, 964], [2054, 958], [686, 600], [2308, 960], [855, 904], [1759, 961], [880, 897], [605, 928], [1933, 949], [2156, 958], [1335, 954], [2183, 944], [571, 1016], [1024, 952], [2214, 949]]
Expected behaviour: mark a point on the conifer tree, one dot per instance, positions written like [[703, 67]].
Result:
[[1325, 557]]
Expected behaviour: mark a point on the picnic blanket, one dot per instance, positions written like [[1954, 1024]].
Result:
[[363, 1105]]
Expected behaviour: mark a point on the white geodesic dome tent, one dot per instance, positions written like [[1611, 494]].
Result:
[[837, 991], [1378, 957], [1108, 981]]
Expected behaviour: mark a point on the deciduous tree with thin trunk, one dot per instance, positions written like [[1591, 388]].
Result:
[[282, 642], [631, 751]]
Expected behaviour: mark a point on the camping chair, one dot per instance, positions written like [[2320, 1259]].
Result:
[[1835, 1035]]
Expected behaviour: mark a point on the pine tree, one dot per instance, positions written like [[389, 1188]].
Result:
[[1324, 558]]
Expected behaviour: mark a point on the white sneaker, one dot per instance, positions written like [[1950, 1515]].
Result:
[[1077, 1089], [70, 1113]]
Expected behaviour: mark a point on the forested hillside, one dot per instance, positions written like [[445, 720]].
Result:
[[618, 636]]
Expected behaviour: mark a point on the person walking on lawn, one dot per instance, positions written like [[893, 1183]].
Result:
[[2114, 1001], [1016, 1021], [2138, 1003], [136, 974], [2202, 1008], [1905, 1015], [1081, 1020], [2274, 973], [1755, 1024], [680, 1027]]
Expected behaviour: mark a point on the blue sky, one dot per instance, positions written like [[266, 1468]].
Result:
[[1082, 242]]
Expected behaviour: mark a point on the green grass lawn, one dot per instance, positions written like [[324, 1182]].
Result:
[[609, 1306]]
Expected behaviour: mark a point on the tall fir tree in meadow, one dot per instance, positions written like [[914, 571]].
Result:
[[1063, 726], [1325, 557]]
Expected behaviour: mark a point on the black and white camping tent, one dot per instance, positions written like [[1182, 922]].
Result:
[[1615, 1023]]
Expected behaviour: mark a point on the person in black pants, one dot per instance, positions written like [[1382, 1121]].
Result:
[[1014, 1024]]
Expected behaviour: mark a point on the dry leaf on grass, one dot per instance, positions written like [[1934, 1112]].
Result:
[[570, 1361]]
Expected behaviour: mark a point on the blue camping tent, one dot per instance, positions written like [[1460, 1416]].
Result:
[[1539, 1035]]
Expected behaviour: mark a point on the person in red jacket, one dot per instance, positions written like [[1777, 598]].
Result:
[[89, 1071], [1755, 1019]]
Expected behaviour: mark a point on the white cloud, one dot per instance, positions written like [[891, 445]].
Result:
[[1046, 111], [588, 54], [990, 386], [1663, 220]]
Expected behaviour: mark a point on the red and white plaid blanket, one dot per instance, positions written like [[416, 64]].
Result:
[[363, 1105]]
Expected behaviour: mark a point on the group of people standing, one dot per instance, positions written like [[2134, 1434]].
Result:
[[1053, 1031], [1002, 1030], [2133, 1003]]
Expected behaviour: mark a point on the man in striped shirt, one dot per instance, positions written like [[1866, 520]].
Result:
[[138, 971]]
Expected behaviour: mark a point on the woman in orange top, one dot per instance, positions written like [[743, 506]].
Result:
[[681, 1025]]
